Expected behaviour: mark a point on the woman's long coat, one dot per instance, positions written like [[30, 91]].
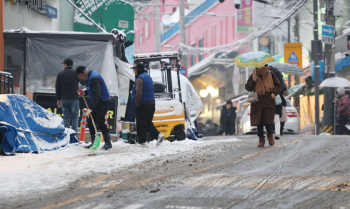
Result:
[[263, 112]]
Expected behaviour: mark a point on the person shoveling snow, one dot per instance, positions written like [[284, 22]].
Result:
[[99, 97]]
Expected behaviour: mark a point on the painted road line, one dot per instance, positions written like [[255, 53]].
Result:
[[316, 183], [243, 158], [140, 183]]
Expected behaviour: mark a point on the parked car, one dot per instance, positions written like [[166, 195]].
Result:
[[292, 126]]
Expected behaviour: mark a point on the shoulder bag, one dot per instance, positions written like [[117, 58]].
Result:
[[254, 97]]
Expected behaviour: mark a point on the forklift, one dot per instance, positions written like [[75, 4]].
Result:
[[169, 117]]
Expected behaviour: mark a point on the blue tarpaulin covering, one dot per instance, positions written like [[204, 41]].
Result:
[[27, 127]]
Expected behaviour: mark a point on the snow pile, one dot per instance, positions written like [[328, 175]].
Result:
[[170, 107], [54, 170]]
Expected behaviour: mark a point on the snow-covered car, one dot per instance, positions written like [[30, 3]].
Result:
[[292, 126]]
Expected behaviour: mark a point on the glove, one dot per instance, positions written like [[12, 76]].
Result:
[[89, 112], [80, 92]]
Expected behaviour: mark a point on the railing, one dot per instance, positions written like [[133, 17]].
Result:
[[6, 83]]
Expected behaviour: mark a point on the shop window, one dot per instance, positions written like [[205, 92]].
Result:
[[146, 30], [193, 56], [200, 44]]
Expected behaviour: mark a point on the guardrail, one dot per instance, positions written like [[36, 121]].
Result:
[[6, 83]]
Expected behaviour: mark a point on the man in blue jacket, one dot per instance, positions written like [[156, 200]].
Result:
[[99, 98], [143, 96]]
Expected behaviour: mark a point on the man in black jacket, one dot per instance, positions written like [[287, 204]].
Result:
[[67, 98], [228, 118], [99, 101]]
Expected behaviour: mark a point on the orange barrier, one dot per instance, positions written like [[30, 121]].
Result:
[[83, 125]]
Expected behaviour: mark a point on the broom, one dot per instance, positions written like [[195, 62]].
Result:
[[97, 140]]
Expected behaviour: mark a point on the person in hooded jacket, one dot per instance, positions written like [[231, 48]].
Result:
[[99, 101], [228, 118], [343, 110]]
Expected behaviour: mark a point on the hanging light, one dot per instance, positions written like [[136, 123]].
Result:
[[210, 89], [203, 93]]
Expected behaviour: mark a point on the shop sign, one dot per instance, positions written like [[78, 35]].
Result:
[[293, 54], [245, 16], [38, 6], [49, 102]]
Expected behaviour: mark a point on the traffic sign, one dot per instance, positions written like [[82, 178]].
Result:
[[328, 34], [293, 54], [183, 71]]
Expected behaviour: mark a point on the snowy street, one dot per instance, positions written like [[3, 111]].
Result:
[[219, 172]]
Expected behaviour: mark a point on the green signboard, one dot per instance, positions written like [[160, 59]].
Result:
[[114, 14]]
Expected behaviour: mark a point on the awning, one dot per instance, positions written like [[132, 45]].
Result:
[[200, 67], [295, 89]]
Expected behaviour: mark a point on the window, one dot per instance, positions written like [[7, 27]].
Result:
[[141, 38], [193, 56], [200, 44], [222, 31], [146, 30]]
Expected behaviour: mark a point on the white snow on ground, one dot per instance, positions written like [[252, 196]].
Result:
[[26, 173]]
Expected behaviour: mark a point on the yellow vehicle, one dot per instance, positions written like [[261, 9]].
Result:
[[169, 117]]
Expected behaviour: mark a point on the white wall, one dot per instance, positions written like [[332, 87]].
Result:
[[17, 17]]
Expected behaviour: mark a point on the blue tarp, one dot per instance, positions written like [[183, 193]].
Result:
[[27, 127], [341, 63]]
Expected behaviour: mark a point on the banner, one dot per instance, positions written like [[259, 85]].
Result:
[[49, 102], [245, 16]]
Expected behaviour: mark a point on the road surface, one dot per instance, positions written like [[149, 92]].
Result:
[[298, 172]]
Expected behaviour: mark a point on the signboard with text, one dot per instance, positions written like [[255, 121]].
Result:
[[245, 16], [49, 102], [38, 6], [293, 54]]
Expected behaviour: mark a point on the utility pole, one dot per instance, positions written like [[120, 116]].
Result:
[[2, 45], [183, 60], [289, 80], [316, 50], [157, 25], [328, 119], [297, 77]]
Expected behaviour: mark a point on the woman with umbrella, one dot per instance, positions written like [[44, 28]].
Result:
[[266, 85]]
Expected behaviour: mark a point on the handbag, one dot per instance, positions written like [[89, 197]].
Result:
[[278, 100], [254, 97]]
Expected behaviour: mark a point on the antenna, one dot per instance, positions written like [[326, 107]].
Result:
[[88, 12], [99, 15]]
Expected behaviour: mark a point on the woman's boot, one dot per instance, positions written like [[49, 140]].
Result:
[[261, 142], [271, 139]]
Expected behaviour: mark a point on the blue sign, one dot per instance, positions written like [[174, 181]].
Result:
[[328, 34], [321, 68], [265, 49], [51, 11], [293, 58], [327, 30], [183, 71]]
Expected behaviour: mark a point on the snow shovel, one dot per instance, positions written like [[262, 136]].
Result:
[[97, 140]]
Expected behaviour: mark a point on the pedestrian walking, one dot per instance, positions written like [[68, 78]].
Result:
[[143, 96], [67, 84], [266, 85], [228, 118], [284, 117], [99, 101], [343, 110]]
